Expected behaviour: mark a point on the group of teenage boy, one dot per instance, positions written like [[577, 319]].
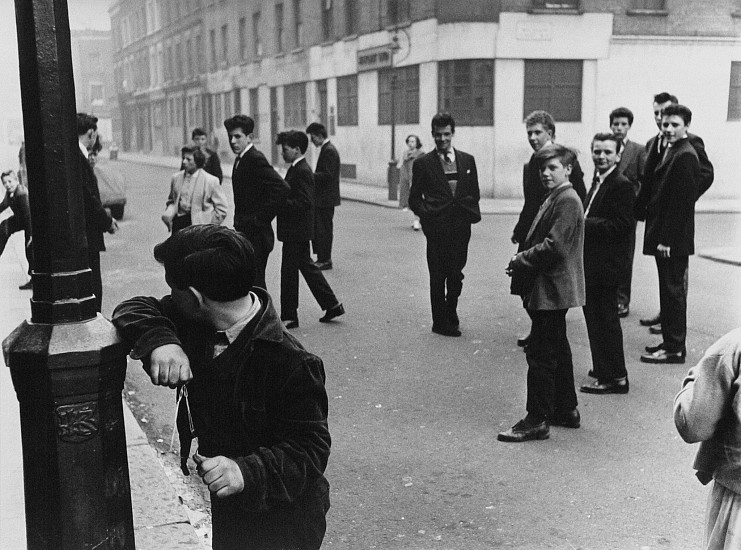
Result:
[[256, 397]]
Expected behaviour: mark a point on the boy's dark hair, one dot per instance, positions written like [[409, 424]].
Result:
[[198, 156], [216, 261], [293, 138], [622, 112], [663, 97], [415, 136], [317, 129], [86, 122], [607, 136], [441, 120], [678, 110], [240, 121], [6, 174], [544, 118], [554, 151], [197, 132]]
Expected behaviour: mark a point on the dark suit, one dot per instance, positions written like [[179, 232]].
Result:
[[446, 220], [327, 180], [97, 222], [707, 172], [549, 275], [258, 190], [213, 164], [608, 227], [667, 202], [295, 230], [631, 165]]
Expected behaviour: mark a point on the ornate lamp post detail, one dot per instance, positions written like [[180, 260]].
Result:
[[67, 363]]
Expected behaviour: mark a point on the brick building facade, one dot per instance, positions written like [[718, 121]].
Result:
[[179, 64]]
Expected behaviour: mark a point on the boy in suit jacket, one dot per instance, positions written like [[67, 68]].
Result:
[[295, 230], [258, 190], [631, 163], [196, 197], [550, 273], [445, 196], [16, 198], [97, 219], [212, 164], [608, 226], [327, 181], [541, 131], [667, 202]]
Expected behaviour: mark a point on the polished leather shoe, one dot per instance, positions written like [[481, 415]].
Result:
[[650, 321], [290, 323], [663, 356], [623, 310], [445, 330], [655, 329], [654, 349], [620, 385], [453, 319], [567, 419], [27, 286], [324, 266], [525, 340], [525, 431], [334, 311]]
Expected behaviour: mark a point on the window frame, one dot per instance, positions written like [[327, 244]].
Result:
[[734, 92], [457, 83], [294, 105], [406, 98], [347, 100], [552, 94]]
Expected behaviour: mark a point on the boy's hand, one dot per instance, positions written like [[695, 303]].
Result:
[[221, 474], [169, 366]]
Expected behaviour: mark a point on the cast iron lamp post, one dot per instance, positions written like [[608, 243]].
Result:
[[393, 171], [67, 362]]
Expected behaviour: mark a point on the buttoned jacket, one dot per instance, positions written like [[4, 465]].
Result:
[[208, 201]]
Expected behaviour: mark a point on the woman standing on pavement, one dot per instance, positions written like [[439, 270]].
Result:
[[413, 152]]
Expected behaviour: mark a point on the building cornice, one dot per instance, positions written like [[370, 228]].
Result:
[[634, 38]]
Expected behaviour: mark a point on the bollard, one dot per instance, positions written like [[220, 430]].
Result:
[[393, 180]]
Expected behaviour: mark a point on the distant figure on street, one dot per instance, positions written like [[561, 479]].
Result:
[[608, 226], [445, 196], [667, 204], [655, 148], [97, 219], [549, 275], [327, 178], [256, 397], [708, 410], [195, 196], [212, 164], [16, 198], [541, 131], [295, 230], [632, 161], [412, 153], [258, 190]]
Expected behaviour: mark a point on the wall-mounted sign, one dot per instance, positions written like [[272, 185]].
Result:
[[534, 31], [374, 58]]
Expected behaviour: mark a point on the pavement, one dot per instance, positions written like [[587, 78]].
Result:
[[352, 190], [160, 520]]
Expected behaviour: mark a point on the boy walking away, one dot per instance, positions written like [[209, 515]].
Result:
[[256, 396], [16, 198]]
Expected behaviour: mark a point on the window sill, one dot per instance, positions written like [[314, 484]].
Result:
[[280, 55], [350, 37], [327, 43], [555, 11], [653, 13], [400, 25], [297, 51]]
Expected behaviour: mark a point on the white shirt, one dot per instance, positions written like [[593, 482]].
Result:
[[83, 149], [299, 159], [600, 180]]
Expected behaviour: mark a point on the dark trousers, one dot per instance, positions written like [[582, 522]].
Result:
[[181, 222], [447, 253], [605, 333], [296, 258], [323, 233], [9, 226], [94, 261], [550, 373], [262, 241], [626, 277], [673, 275]]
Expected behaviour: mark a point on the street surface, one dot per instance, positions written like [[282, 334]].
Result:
[[414, 416]]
